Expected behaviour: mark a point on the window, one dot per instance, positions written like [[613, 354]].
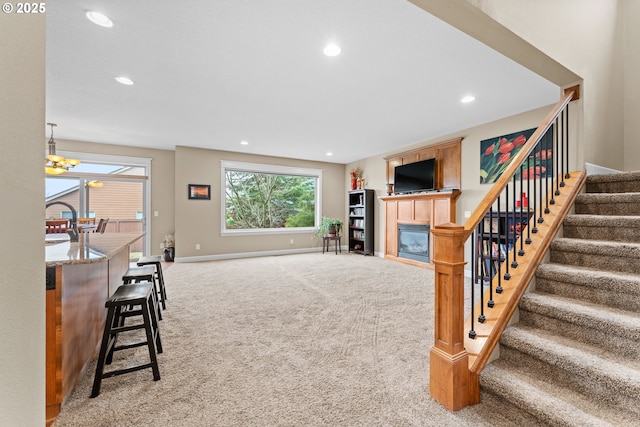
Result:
[[264, 199]]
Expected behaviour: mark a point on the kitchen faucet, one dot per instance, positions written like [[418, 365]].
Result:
[[73, 231]]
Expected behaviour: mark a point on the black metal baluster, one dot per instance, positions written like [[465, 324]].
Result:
[[549, 170], [566, 111], [490, 270], [524, 208], [521, 252], [498, 260], [474, 278], [537, 177], [507, 231], [556, 157], [562, 145], [543, 154], [503, 236], [481, 317]]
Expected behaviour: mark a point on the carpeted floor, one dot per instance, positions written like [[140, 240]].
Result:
[[297, 340]]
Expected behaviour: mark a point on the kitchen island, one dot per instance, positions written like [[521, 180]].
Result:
[[80, 277]]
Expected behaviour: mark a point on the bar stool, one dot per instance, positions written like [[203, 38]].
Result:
[[157, 261], [121, 305], [144, 274]]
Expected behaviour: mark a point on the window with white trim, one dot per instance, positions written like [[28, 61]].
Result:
[[265, 199]]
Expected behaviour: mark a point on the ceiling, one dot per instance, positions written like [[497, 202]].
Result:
[[211, 73]]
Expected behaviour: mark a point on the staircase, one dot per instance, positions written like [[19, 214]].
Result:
[[574, 357]]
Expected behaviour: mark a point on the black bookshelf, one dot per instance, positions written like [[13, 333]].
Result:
[[360, 227]]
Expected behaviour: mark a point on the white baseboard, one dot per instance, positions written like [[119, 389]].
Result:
[[599, 170], [251, 254]]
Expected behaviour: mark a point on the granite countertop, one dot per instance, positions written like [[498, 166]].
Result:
[[90, 247]]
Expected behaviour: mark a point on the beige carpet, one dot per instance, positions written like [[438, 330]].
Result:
[[298, 340]]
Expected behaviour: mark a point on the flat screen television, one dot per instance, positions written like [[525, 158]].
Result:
[[415, 177]]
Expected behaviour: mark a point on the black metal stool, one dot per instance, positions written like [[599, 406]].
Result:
[[144, 274], [121, 305], [157, 261]]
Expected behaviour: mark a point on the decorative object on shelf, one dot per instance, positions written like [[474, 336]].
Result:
[[496, 154], [201, 192], [356, 174], [389, 189], [54, 164], [328, 227], [523, 201], [168, 246]]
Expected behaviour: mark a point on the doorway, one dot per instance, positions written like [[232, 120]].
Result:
[[105, 187]]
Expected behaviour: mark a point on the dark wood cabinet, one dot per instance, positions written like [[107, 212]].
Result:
[[360, 227]]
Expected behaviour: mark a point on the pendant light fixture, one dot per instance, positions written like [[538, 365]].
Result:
[[54, 164]]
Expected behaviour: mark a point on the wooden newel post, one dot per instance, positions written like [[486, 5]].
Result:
[[449, 362]]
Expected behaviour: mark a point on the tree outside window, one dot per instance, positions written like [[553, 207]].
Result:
[[260, 200]]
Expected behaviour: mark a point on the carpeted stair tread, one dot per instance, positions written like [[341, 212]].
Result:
[[599, 246], [620, 228], [600, 198], [606, 255], [619, 182], [613, 289], [579, 359], [584, 276], [550, 405], [608, 319], [631, 221], [608, 203], [615, 332]]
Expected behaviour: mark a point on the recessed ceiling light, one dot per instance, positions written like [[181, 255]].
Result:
[[467, 99], [332, 50], [244, 143], [124, 80], [99, 19], [329, 154]]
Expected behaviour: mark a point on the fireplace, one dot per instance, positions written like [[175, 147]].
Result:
[[413, 242]]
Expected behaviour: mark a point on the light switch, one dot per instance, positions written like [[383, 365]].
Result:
[[155, 213]]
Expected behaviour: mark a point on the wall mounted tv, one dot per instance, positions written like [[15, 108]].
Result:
[[415, 177]]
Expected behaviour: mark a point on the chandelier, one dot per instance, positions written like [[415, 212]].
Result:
[[54, 164]]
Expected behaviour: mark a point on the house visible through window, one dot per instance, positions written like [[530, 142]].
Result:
[[265, 198]]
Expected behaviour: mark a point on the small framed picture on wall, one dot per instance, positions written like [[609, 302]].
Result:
[[197, 191]]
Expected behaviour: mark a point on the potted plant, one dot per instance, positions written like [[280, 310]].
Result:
[[168, 246], [329, 227]]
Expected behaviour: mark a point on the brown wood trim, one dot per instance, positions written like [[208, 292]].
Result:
[[438, 145], [498, 317], [576, 92], [53, 359], [430, 195]]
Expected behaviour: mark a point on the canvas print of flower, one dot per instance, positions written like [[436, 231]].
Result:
[[496, 154]]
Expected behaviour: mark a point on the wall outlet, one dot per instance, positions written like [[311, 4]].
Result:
[[161, 246], [197, 246], [467, 214], [291, 242], [155, 213]]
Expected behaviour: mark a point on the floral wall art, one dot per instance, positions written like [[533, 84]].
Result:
[[496, 154]]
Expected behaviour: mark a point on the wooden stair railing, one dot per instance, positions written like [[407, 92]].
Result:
[[457, 358]]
